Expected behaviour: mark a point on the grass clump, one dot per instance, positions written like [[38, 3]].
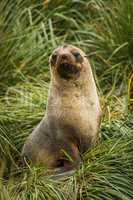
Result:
[[106, 170], [29, 31], [106, 173]]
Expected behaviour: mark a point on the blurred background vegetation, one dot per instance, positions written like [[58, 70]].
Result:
[[29, 31]]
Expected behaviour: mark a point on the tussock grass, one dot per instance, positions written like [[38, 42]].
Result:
[[29, 31], [106, 173], [109, 165]]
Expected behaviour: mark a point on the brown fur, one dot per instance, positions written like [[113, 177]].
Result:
[[71, 121]]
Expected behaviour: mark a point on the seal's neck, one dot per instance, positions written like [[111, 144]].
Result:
[[83, 86]]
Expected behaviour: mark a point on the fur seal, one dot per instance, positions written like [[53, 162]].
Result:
[[72, 119]]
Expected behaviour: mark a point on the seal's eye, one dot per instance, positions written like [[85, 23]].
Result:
[[53, 59], [78, 56]]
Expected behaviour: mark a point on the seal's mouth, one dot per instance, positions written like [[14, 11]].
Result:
[[67, 70]]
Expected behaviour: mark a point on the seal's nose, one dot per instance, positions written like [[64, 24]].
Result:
[[65, 57]]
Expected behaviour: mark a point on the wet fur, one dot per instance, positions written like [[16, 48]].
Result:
[[72, 117]]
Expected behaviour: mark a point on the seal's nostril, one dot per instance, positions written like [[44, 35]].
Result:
[[64, 56]]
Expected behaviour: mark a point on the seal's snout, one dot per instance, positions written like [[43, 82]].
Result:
[[67, 70], [65, 57], [67, 65]]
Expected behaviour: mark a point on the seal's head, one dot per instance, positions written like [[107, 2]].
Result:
[[67, 62]]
